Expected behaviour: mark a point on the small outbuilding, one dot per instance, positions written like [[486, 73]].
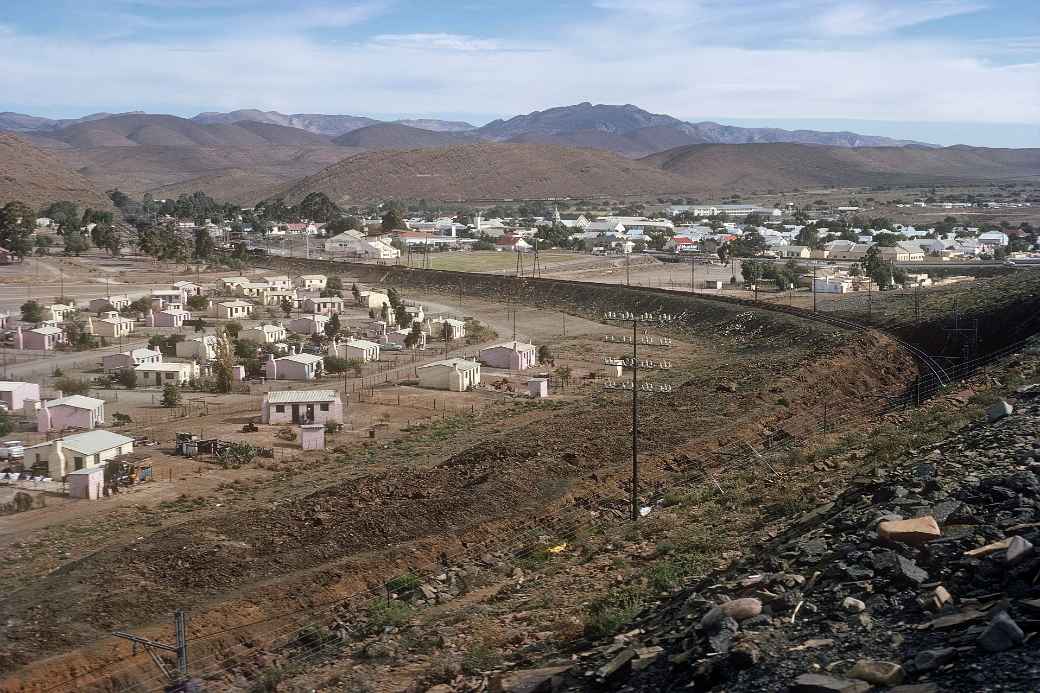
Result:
[[130, 359], [294, 367], [515, 356], [167, 373], [87, 483], [14, 394], [309, 324], [233, 310], [74, 411]]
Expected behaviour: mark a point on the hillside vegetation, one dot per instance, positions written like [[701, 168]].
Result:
[[38, 178]]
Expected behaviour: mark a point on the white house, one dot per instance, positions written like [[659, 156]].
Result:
[[264, 334], [343, 242], [232, 310], [167, 372], [203, 349], [324, 305], [360, 349], [994, 239], [231, 284], [309, 324], [279, 282], [294, 367], [455, 375], [312, 282], [56, 312], [189, 288], [512, 355], [112, 325], [130, 359], [81, 451]]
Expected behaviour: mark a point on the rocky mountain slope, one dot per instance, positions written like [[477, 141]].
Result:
[[787, 166], [38, 178], [480, 171], [399, 136]]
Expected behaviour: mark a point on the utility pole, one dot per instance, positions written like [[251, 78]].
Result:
[[150, 646], [628, 274], [917, 301], [649, 387], [814, 286], [693, 275]]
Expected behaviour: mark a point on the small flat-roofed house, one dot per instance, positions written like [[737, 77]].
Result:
[[162, 298], [14, 394], [167, 372], [43, 338], [189, 288], [264, 334], [74, 411], [373, 299], [324, 305], [231, 284], [81, 451], [447, 328], [101, 305], [360, 349], [57, 312], [294, 367], [112, 325], [253, 289], [312, 282], [203, 349], [170, 317], [130, 359], [454, 375], [233, 310], [301, 406], [401, 336], [309, 324], [280, 282], [515, 356]]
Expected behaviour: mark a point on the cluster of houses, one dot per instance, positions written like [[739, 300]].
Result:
[[782, 242]]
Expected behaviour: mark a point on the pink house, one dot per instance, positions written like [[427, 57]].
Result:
[[74, 411], [44, 338], [13, 394], [302, 406], [172, 317]]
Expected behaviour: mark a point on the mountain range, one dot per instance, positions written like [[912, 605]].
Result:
[[585, 149]]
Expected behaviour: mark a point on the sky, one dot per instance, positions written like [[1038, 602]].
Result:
[[943, 71]]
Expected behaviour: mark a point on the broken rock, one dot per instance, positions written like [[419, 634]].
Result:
[[1001, 634], [818, 683], [742, 609], [1018, 548], [915, 531], [928, 660], [528, 681], [853, 605], [998, 410], [878, 673]]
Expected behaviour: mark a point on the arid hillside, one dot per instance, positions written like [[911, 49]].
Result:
[[398, 136], [788, 166], [483, 171], [39, 178]]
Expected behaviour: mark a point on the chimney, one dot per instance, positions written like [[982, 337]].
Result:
[[151, 318], [43, 419], [19, 340]]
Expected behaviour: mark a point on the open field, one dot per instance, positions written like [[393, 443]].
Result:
[[491, 261]]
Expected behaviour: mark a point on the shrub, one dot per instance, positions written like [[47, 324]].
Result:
[[171, 395], [127, 377], [71, 386], [606, 615]]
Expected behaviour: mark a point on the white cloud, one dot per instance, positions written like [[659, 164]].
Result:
[[453, 42], [866, 17]]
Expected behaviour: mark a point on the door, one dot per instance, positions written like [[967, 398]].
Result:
[[310, 413], [296, 413]]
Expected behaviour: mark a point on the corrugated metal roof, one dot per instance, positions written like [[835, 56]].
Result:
[[93, 442], [301, 358], [6, 385], [463, 364], [77, 401], [298, 396]]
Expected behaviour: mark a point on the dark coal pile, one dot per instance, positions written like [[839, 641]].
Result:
[[925, 580]]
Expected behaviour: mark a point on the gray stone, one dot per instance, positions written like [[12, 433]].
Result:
[[722, 639], [613, 667], [1001, 634], [902, 569], [1018, 548], [998, 410], [878, 673], [818, 683], [853, 605], [526, 681], [928, 660]]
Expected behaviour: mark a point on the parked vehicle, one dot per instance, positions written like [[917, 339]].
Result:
[[12, 450]]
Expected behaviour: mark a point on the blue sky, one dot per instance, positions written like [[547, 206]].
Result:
[[947, 71]]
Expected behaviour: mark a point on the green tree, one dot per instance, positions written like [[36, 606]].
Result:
[[64, 213], [391, 221], [545, 354], [887, 240], [198, 302], [355, 292], [414, 336], [332, 326], [75, 242], [287, 307], [17, 223], [751, 270], [171, 395], [341, 224], [224, 364], [335, 283], [32, 311], [318, 207], [127, 377], [204, 245], [5, 424], [233, 328]]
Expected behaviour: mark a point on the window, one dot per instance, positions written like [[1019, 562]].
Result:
[[77, 462], [169, 376], [279, 408], [325, 406]]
